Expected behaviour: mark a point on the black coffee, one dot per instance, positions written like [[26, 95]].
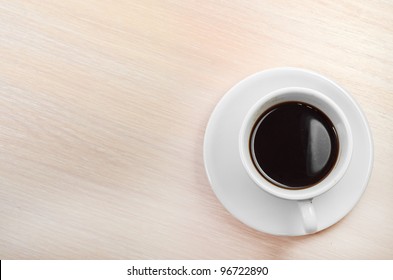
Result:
[[294, 145]]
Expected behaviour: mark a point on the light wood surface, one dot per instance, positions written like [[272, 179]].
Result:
[[103, 107]]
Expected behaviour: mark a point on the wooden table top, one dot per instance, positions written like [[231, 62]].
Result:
[[103, 107]]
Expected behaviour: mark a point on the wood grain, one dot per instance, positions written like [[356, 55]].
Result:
[[103, 106]]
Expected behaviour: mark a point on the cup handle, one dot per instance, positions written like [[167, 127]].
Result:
[[308, 215]]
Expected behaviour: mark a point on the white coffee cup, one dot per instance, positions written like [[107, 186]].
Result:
[[303, 196]]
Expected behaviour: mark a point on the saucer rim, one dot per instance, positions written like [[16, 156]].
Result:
[[354, 104]]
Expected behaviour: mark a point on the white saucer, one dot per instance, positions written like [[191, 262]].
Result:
[[241, 196]]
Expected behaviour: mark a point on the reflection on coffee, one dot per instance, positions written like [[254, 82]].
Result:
[[294, 145]]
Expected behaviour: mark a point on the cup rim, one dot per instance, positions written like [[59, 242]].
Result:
[[299, 194]]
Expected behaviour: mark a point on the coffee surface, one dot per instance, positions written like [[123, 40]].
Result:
[[294, 145]]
